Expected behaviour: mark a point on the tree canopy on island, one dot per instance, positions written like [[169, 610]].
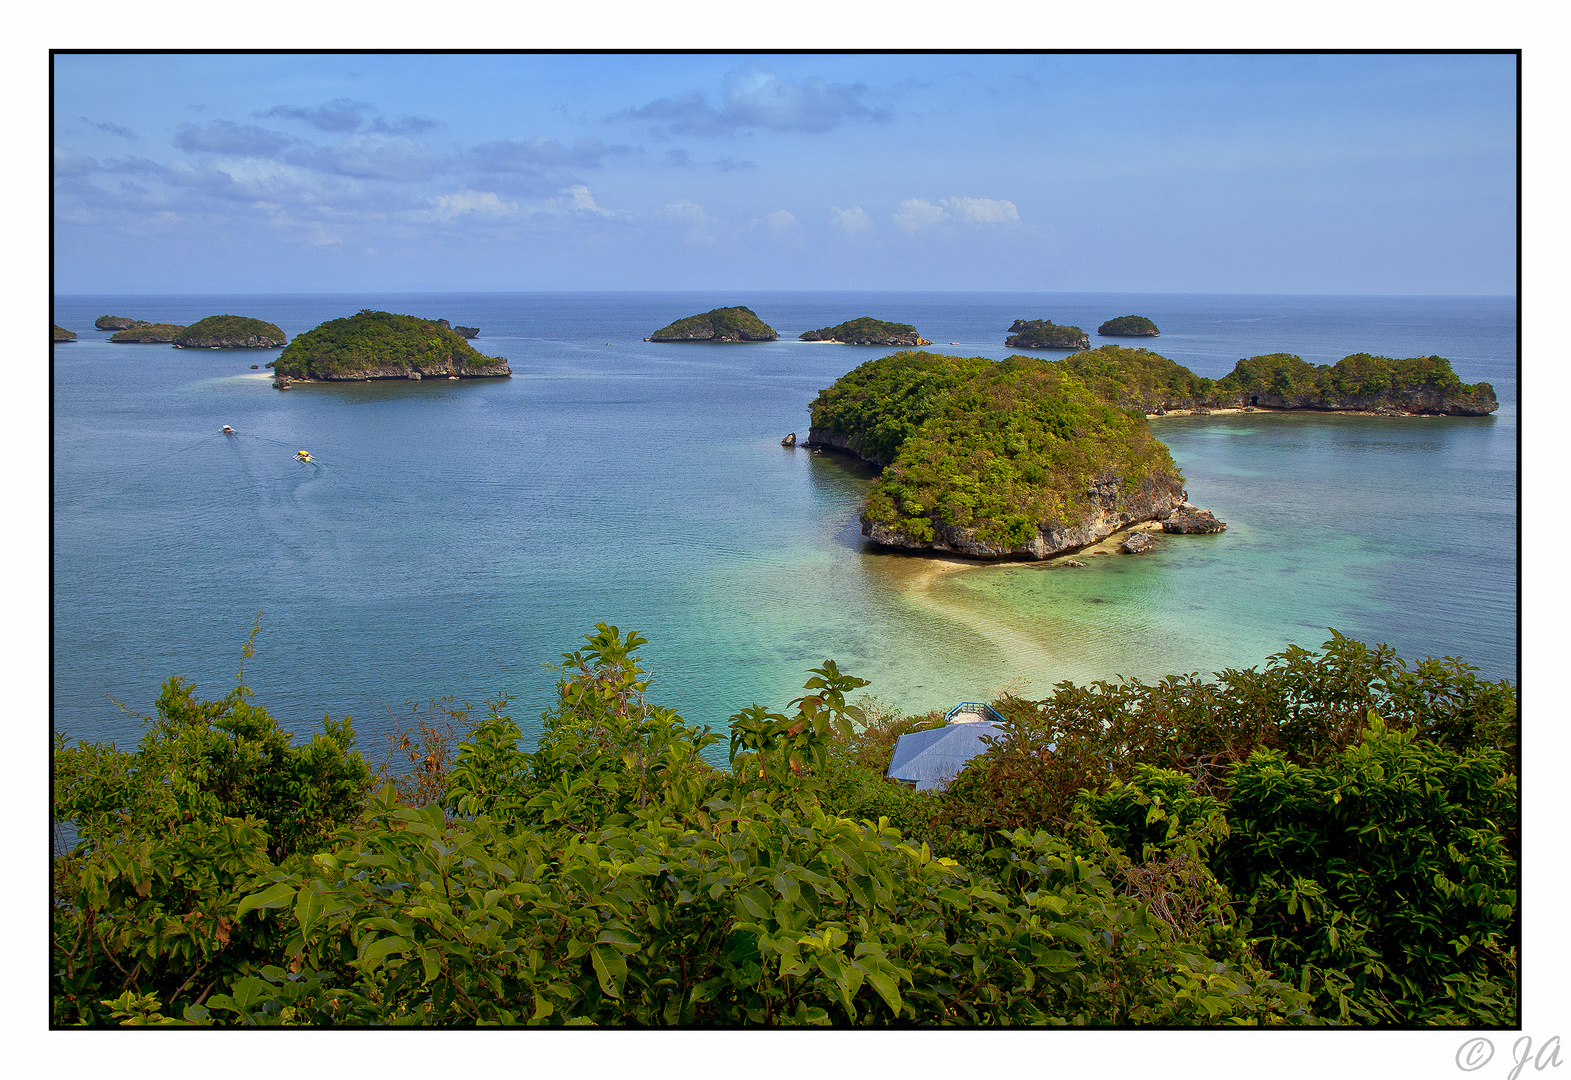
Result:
[[721, 324], [1128, 326], [375, 339], [1043, 334], [866, 331], [233, 331], [1003, 447]]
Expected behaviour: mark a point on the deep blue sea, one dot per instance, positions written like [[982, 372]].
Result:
[[457, 537]]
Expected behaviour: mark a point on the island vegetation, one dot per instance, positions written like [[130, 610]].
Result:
[[382, 345], [1010, 458], [1329, 839], [1128, 326], [142, 333], [1032, 458], [230, 332], [721, 324], [62, 334], [1043, 334], [114, 322], [867, 331]]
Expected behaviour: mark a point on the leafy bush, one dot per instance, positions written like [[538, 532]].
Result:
[[612, 876], [1385, 878], [171, 836]]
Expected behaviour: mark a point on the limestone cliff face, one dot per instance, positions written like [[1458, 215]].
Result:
[[1420, 401], [822, 437], [1113, 507], [439, 369]]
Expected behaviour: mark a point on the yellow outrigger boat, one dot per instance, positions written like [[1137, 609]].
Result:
[[304, 455]]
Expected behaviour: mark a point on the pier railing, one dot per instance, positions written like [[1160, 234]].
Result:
[[981, 708]]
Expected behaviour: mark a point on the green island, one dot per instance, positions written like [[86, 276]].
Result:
[[381, 345], [1043, 334], [142, 333], [1128, 326], [721, 324], [114, 322], [230, 332], [62, 334], [867, 331], [1032, 458], [1331, 838]]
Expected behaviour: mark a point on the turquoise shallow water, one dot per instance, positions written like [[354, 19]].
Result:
[[459, 536]]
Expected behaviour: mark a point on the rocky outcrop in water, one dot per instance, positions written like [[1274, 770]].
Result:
[[147, 334], [1113, 506], [466, 331], [230, 332], [1192, 519], [721, 324], [62, 334], [1043, 334], [382, 345], [1138, 542], [867, 331], [1128, 326], [113, 322]]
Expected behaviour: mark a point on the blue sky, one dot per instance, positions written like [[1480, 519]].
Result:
[[1186, 173]]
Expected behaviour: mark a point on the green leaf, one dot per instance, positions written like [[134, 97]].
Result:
[[308, 905], [610, 969], [378, 950], [886, 989], [276, 896]]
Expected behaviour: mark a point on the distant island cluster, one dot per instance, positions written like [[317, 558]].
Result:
[[736, 324], [1035, 458]]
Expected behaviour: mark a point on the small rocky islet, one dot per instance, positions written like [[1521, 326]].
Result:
[[382, 345], [230, 332], [1044, 334], [1128, 326], [62, 334], [729, 324], [867, 331], [1034, 458]]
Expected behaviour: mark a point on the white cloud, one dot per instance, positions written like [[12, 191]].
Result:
[[917, 214], [853, 221], [780, 220], [686, 211], [580, 199], [983, 211], [697, 219], [472, 202]]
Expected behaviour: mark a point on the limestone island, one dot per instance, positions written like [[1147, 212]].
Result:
[[1042, 334], [461, 331], [62, 334], [1151, 383], [1031, 458], [113, 322], [231, 332], [867, 331], [1128, 326], [381, 345], [994, 459], [142, 333], [721, 324]]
